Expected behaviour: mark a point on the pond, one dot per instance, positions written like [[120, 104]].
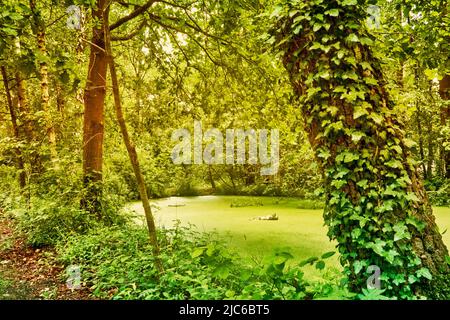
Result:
[[235, 217]]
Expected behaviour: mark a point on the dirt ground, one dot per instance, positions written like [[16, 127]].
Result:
[[28, 273]]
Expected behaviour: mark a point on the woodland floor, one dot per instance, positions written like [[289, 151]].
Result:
[[27, 273]]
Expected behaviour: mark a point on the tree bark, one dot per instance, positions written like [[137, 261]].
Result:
[[133, 155], [94, 99], [373, 189], [420, 133], [39, 26], [444, 92], [15, 128], [22, 104]]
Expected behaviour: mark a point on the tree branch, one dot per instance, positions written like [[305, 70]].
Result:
[[131, 35], [132, 15]]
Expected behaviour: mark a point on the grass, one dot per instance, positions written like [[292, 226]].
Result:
[[299, 228]]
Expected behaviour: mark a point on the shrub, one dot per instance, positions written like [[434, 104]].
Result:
[[117, 263]]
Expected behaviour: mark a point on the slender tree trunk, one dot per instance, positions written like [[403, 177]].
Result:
[[94, 99], [60, 101], [15, 129], [211, 179], [22, 104], [376, 206], [430, 158], [444, 92], [132, 154], [420, 133], [39, 26]]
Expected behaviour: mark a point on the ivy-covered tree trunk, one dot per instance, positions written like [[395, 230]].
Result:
[[376, 205], [94, 99]]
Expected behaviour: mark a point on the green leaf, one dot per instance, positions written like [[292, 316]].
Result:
[[425, 273], [359, 112], [308, 261], [353, 38], [198, 252], [332, 12], [349, 2], [447, 259], [221, 272], [320, 265], [362, 183], [245, 275], [419, 225], [358, 265], [357, 135], [328, 254]]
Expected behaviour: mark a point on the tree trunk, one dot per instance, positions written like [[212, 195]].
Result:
[[15, 129], [444, 92], [211, 179], [430, 142], [376, 206], [420, 133], [22, 104], [94, 99], [132, 154], [39, 26]]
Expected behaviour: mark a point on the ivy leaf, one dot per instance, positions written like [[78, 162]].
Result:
[[419, 225], [356, 136], [325, 154], [362, 183], [447, 259], [317, 26], [349, 2], [358, 266], [371, 81], [409, 143], [425, 273], [376, 117], [332, 12], [411, 196], [359, 112], [401, 231], [353, 38]]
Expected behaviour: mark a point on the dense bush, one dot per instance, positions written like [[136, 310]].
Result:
[[438, 191], [45, 221], [117, 263]]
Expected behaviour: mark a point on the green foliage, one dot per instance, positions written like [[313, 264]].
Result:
[[116, 263], [48, 221], [439, 192], [250, 202], [310, 204], [368, 170]]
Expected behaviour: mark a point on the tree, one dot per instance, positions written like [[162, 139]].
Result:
[[94, 100], [132, 151], [39, 28], [15, 128], [376, 205]]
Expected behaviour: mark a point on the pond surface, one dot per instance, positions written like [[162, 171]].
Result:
[[301, 230]]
